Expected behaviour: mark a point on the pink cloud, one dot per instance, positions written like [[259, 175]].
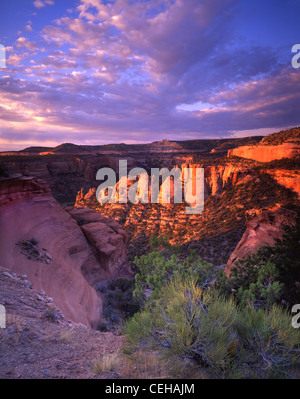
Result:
[[23, 42], [42, 3]]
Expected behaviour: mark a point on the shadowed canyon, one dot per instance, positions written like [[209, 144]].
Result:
[[72, 248]]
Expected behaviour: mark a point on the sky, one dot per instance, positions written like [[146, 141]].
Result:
[[136, 71]]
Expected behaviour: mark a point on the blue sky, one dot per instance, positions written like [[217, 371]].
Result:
[[134, 71]]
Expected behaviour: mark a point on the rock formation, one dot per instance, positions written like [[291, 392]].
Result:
[[43, 241], [264, 153], [218, 178], [287, 178], [108, 242], [264, 227]]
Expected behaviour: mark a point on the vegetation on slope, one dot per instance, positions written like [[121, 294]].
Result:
[[198, 319], [282, 136], [191, 327], [269, 276]]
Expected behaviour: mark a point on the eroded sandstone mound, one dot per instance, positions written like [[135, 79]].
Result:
[[33, 224], [108, 242]]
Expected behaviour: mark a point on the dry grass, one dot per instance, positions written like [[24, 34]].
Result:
[[105, 363], [51, 313], [67, 336], [148, 365], [143, 365]]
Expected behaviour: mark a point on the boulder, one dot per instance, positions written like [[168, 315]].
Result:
[[108, 241]]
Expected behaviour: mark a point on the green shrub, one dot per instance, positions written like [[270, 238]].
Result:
[[193, 323], [268, 344], [270, 276], [159, 266], [188, 322], [265, 290]]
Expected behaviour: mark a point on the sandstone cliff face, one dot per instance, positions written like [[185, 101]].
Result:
[[266, 153], [263, 228], [287, 178], [218, 178], [41, 240]]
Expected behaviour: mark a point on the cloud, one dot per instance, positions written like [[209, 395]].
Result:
[[118, 71], [59, 62], [23, 42], [42, 3], [28, 28]]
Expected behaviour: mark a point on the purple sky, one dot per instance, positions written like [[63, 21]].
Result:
[[134, 71]]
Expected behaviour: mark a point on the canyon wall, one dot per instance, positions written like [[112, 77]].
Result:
[[287, 178], [216, 180], [65, 175], [266, 153]]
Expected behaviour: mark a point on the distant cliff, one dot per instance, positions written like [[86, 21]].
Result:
[[264, 153], [284, 144]]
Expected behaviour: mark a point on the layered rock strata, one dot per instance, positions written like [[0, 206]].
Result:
[[264, 153]]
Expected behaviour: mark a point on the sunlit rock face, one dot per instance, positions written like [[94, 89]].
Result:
[[264, 227], [218, 178], [266, 153], [43, 241], [287, 178]]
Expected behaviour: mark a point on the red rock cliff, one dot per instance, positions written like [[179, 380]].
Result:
[[266, 153]]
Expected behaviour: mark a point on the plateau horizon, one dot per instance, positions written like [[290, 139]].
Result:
[[186, 184]]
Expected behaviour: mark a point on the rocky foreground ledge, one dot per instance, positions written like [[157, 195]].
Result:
[[40, 343]]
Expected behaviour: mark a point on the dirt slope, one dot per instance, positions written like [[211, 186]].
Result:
[[39, 342]]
